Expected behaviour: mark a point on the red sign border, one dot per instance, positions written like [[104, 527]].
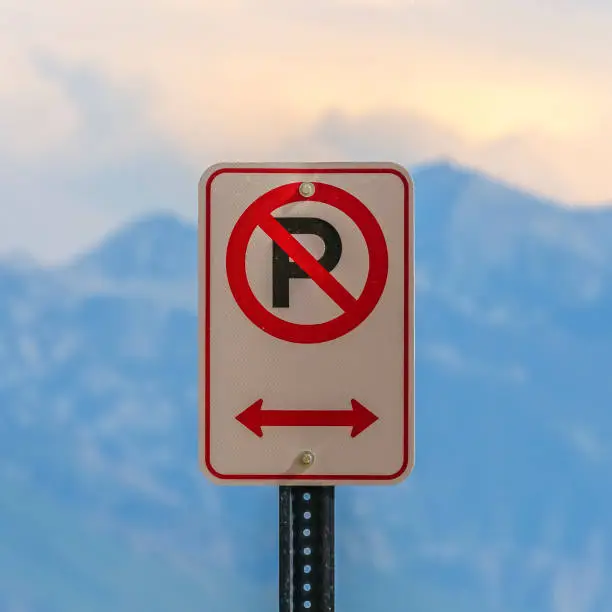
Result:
[[408, 390]]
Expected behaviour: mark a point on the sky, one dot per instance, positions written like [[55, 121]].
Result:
[[112, 109]]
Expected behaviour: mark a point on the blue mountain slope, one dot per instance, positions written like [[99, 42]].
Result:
[[55, 558], [508, 508], [159, 247]]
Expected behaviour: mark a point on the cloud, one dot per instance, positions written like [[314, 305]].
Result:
[[531, 159], [576, 582], [455, 362], [488, 563], [549, 577], [69, 184], [37, 115], [579, 585], [214, 77], [380, 135], [380, 551], [105, 114], [583, 440], [368, 531]]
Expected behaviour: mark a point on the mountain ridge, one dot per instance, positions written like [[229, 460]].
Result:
[[505, 226], [442, 172]]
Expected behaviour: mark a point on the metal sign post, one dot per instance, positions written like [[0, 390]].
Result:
[[306, 549]]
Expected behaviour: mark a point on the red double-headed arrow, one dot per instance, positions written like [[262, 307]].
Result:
[[359, 418]]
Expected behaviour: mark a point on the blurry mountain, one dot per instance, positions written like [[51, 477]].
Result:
[[159, 248], [509, 507]]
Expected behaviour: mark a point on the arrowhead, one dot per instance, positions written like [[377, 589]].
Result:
[[362, 418], [251, 418]]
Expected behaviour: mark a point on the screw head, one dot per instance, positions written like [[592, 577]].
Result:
[[307, 458], [307, 190]]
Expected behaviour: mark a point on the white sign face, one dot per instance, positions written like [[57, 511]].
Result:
[[306, 315]]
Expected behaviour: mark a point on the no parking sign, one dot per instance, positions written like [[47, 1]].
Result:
[[306, 291]]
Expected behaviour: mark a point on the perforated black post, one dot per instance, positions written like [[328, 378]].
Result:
[[306, 549]]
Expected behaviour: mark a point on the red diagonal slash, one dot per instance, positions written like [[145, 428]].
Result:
[[302, 257]]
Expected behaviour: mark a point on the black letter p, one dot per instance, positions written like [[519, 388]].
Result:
[[283, 269]]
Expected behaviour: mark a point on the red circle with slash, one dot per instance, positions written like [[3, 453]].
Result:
[[355, 310]]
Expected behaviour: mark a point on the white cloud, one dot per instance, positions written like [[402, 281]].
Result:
[[456, 362], [585, 441], [566, 581], [579, 584], [372, 545], [384, 134], [143, 481], [214, 76], [37, 116], [490, 563], [107, 109]]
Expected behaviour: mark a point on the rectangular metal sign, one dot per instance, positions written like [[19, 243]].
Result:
[[306, 315]]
